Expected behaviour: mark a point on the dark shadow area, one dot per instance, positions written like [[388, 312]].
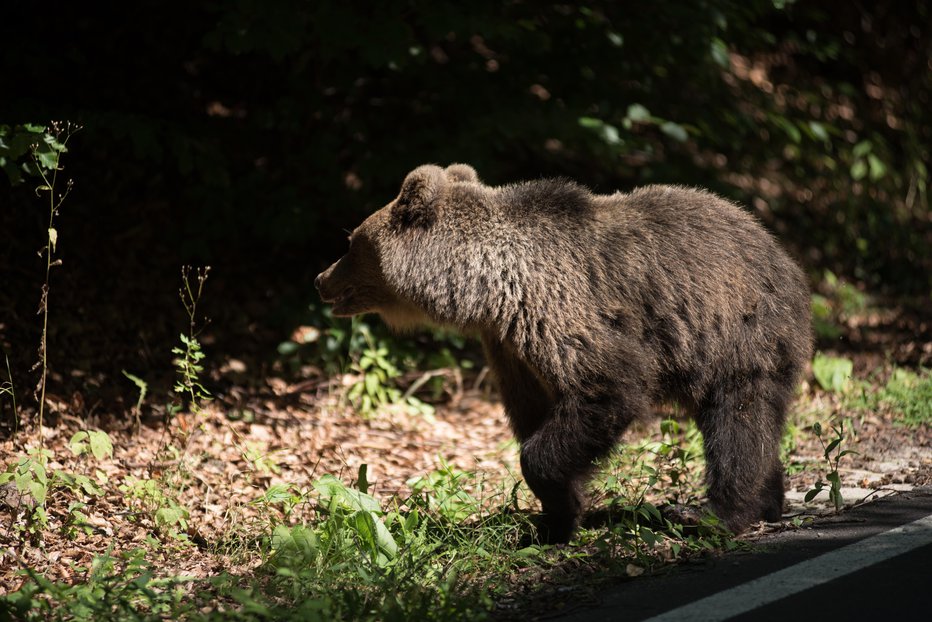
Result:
[[250, 136]]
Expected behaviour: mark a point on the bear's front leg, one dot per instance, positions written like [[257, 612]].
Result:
[[557, 459], [559, 495]]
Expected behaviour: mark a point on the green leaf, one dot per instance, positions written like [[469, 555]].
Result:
[[334, 494], [877, 168], [832, 373], [168, 517], [141, 384], [862, 149], [48, 159], [287, 348], [361, 482], [858, 170], [638, 114], [674, 130], [812, 494], [101, 446], [372, 384], [38, 491], [818, 131], [719, 52], [78, 443]]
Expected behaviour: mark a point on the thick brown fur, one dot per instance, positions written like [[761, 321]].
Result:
[[591, 308]]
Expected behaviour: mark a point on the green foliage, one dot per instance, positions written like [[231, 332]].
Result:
[[374, 367], [30, 476], [46, 157], [908, 394], [116, 588], [36, 484], [95, 441], [442, 553], [833, 453], [29, 150], [840, 303], [151, 499], [832, 373], [189, 369], [442, 492], [143, 387], [189, 355]]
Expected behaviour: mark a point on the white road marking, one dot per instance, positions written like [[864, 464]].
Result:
[[804, 575]]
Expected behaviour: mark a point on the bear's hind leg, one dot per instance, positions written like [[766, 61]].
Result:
[[742, 428]]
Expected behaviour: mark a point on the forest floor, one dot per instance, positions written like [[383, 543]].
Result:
[[204, 516]]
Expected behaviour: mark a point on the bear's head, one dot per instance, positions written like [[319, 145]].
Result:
[[357, 283]]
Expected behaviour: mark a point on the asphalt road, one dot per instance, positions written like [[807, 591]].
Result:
[[869, 563]]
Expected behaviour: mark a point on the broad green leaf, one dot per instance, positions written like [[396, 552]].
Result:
[[858, 170], [38, 491], [361, 482], [48, 159], [818, 130], [375, 536], [862, 149], [333, 491], [674, 130], [168, 517], [877, 168], [286, 348], [719, 51], [638, 113], [78, 443], [101, 446], [372, 384], [832, 373]]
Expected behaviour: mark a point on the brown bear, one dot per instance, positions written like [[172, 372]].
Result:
[[592, 307]]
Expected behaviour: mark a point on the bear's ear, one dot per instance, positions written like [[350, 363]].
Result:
[[461, 172], [416, 205]]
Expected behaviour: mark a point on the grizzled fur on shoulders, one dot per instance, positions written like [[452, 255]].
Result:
[[591, 307]]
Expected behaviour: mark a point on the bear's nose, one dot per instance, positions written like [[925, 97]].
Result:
[[317, 280]]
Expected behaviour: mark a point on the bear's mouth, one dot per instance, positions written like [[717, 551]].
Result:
[[341, 304]]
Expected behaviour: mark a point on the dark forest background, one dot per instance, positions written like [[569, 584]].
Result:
[[247, 135]]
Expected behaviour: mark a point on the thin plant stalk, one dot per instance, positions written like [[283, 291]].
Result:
[[52, 239]]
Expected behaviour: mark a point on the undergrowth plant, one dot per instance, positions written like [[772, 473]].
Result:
[[46, 154], [833, 453], [906, 394], [143, 388], [37, 482], [376, 374], [7, 388], [189, 354], [447, 551]]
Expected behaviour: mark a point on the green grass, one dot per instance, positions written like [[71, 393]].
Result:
[[906, 394], [450, 550]]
